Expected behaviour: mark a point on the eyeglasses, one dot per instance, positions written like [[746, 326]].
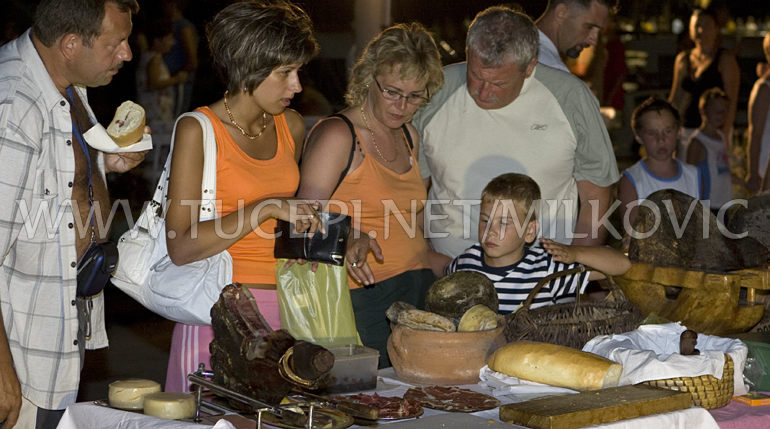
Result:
[[392, 95]]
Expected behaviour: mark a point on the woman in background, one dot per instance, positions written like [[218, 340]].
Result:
[[701, 68]]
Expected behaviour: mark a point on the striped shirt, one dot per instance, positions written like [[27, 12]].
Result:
[[514, 282], [37, 239]]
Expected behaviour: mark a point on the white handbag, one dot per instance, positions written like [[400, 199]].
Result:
[[145, 272]]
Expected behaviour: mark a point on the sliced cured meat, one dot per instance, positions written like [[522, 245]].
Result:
[[450, 398], [390, 407]]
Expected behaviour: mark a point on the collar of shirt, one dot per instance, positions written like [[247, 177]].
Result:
[[548, 54]]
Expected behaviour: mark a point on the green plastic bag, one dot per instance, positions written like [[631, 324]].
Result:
[[316, 307]]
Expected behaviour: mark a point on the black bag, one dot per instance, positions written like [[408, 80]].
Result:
[[95, 267], [328, 248]]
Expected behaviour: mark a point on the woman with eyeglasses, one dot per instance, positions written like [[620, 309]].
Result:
[[364, 160]]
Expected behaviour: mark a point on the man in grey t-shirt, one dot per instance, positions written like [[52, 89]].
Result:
[[502, 112]]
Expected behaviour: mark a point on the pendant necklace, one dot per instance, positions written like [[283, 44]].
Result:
[[374, 141], [235, 124]]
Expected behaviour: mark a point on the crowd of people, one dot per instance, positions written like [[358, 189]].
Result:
[[501, 164]]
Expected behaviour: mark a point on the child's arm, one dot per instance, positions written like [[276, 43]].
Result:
[[602, 260]]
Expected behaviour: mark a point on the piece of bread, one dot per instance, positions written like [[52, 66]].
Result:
[[129, 394], [127, 127], [170, 405], [555, 365], [425, 320]]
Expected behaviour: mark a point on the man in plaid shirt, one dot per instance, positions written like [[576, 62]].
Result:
[[44, 189]]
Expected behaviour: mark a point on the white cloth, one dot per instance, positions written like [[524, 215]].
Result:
[[645, 183], [548, 54], [89, 416], [552, 132], [651, 352]]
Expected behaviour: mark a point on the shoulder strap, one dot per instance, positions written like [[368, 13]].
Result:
[[208, 184], [408, 136], [352, 148]]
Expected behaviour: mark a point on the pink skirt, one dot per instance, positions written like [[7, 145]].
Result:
[[190, 343]]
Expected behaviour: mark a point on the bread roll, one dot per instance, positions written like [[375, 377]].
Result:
[[555, 365], [170, 405], [129, 394], [478, 318], [127, 127]]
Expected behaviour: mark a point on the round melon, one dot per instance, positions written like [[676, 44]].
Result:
[[451, 296]]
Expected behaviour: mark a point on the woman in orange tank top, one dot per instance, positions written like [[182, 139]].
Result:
[[364, 160], [258, 50]]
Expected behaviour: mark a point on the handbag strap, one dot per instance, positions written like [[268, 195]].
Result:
[[156, 208]]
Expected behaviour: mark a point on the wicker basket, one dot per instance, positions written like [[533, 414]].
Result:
[[706, 390], [571, 324]]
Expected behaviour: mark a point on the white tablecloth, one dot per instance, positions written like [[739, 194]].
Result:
[[89, 416]]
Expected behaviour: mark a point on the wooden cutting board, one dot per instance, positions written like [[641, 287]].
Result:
[[594, 407]]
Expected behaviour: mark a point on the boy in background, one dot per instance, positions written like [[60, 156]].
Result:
[[656, 126], [507, 226], [708, 150]]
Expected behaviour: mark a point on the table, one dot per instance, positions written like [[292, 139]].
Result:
[[735, 415]]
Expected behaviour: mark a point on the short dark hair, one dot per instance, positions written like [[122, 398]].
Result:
[[519, 188], [55, 18], [711, 94], [499, 35], [612, 5], [652, 104], [248, 40]]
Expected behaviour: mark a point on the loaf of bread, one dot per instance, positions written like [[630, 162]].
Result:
[[129, 394], [555, 365], [127, 127], [170, 405]]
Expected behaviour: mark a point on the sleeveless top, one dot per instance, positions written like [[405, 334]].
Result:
[[386, 204], [710, 78], [645, 183], [242, 180], [715, 170]]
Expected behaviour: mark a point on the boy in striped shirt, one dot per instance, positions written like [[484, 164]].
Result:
[[507, 227]]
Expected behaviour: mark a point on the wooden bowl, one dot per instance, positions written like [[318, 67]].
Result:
[[448, 358]]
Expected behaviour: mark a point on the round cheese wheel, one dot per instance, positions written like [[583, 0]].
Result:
[[170, 405], [129, 394]]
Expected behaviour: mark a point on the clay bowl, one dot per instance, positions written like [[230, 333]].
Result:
[[449, 358]]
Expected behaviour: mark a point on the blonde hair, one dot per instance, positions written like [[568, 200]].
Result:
[[407, 46], [519, 188]]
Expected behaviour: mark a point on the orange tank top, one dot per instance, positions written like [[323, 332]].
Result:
[[386, 204], [241, 180]]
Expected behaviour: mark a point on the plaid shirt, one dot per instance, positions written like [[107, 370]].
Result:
[[37, 238]]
